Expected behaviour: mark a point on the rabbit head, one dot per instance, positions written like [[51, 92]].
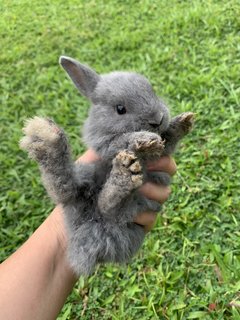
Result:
[[122, 102]]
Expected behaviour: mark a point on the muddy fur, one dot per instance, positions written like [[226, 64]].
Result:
[[127, 126]]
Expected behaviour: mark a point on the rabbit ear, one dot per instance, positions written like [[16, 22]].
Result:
[[84, 78]]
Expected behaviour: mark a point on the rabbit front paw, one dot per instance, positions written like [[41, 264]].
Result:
[[129, 169], [126, 175], [186, 120], [147, 144], [41, 135]]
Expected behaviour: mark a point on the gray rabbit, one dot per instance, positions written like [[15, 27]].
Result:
[[127, 126]]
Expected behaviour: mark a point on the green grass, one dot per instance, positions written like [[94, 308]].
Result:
[[189, 266]]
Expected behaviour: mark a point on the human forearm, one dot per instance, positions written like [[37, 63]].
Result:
[[37, 278]]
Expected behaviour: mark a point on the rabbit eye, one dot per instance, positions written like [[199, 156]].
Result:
[[121, 109]]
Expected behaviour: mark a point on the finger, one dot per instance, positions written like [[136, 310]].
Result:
[[89, 156], [147, 220], [155, 192], [166, 164]]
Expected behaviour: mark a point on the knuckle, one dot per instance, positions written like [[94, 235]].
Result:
[[152, 218], [173, 167], [168, 191]]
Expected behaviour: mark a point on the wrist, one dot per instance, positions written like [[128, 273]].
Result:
[[59, 240], [56, 224]]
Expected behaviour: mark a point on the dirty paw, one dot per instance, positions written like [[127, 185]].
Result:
[[186, 120], [129, 167], [146, 144], [40, 135], [149, 145]]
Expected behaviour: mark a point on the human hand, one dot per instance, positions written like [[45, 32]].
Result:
[[156, 192], [149, 190]]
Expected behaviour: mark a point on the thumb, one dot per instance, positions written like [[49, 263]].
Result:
[[89, 156]]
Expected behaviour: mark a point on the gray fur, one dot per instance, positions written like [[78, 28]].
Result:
[[101, 199]]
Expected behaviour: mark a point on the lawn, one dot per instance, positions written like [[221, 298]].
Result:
[[189, 266]]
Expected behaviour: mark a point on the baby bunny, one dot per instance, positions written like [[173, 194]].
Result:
[[127, 126]]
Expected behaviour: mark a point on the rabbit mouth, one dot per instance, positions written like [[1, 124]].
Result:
[[155, 124]]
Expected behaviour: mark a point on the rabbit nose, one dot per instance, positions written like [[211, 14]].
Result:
[[155, 123]]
